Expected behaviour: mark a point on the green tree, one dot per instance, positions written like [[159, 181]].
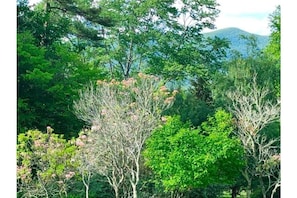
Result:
[[50, 69], [32, 79], [273, 47], [240, 71], [156, 36], [273, 50], [190, 108], [48, 82], [44, 26], [51, 20], [183, 158]]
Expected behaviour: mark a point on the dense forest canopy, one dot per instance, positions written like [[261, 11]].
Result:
[[128, 98]]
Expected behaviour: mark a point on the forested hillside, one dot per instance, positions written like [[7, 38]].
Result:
[[103, 110], [238, 39]]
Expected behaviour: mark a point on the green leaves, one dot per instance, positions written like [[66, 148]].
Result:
[[275, 25], [48, 82], [184, 158], [38, 75]]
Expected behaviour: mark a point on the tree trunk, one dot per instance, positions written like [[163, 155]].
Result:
[[262, 187], [234, 191], [249, 190], [274, 189], [248, 193], [87, 191], [46, 9], [116, 191], [248, 179], [86, 183], [134, 188]]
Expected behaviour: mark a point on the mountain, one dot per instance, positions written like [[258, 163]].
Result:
[[236, 42]]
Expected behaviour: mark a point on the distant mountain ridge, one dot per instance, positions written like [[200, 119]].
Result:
[[236, 42]]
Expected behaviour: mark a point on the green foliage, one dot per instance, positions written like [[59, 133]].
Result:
[[273, 49], [63, 45], [190, 108], [99, 188], [272, 130], [183, 158], [240, 71], [50, 72], [48, 82], [49, 21], [46, 26], [32, 65], [275, 25], [140, 41], [188, 59]]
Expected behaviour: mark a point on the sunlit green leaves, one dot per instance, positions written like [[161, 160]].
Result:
[[184, 158]]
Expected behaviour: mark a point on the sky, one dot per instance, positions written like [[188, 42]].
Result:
[[248, 15]]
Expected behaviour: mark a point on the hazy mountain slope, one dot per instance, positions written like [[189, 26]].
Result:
[[236, 43]]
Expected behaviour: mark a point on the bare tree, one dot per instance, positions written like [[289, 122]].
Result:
[[254, 112], [86, 160], [122, 115]]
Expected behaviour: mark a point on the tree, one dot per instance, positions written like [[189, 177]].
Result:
[[273, 47], [51, 20], [50, 71], [48, 82], [183, 158], [190, 108], [87, 160], [240, 68], [253, 113], [32, 76], [239, 71], [44, 164], [123, 115], [155, 36], [45, 27]]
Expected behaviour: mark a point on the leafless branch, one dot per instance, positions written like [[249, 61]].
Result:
[[122, 115], [254, 112]]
